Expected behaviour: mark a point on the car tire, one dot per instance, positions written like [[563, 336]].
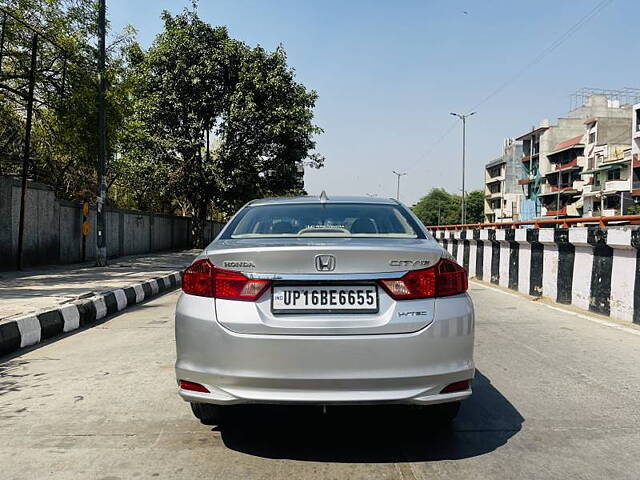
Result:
[[207, 413]]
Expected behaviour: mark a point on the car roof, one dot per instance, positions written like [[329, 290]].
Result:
[[326, 199]]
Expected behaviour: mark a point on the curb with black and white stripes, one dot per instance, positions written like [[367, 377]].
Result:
[[36, 327], [595, 269]]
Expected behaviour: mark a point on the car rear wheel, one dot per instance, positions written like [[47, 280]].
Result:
[[207, 413]]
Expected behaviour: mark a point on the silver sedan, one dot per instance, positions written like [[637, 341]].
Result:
[[317, 300]]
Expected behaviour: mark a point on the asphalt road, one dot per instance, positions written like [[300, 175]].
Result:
[[555, 397]]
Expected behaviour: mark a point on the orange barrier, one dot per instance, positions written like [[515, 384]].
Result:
[[562, 222]]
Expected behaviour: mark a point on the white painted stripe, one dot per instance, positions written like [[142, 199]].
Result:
[[581, 282], [486, 261], [473, 246], [501, 234], [623, 276], [599, 321], [30, 330], [121, 299], [101, 307], [550, 271], [545, 235], [178, 278], [504, 264], [70, 316], [460, 251], [484, 234], [139, 292], [619, 237], [154, 286], [578, 236], [167, 282], [521, 235], [524, 268]]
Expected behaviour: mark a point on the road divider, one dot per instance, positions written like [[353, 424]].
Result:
[[34, 328]]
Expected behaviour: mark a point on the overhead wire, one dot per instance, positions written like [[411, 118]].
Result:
[[599, 7]]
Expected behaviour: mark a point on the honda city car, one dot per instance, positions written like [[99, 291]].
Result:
[[317, 300]]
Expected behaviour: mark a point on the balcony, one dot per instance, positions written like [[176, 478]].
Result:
[[497, 178], [564, 166], [554, 213], [528, 158], [616, 185]]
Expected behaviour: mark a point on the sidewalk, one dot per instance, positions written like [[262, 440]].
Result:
[[49, 287]]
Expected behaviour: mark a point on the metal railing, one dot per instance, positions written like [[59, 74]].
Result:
[[541, 222]]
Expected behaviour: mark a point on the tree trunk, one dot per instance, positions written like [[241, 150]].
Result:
[[198, 223]]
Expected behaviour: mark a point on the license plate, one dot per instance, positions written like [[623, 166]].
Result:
[[324, 299]]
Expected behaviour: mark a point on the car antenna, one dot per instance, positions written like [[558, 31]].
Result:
[[323, 197]]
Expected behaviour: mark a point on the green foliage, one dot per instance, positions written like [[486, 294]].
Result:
[[633, 210], [198, 123], [475, 206], [439, 207], [222, 123], [64, 132]]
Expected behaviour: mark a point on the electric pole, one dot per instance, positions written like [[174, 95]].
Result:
[[398, 188], [101, 240], [464, 147]]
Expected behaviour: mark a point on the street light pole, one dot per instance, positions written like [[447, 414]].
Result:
[[101, 240], [463, 117], [398, 188]]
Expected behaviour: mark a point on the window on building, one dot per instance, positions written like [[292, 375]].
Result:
[[495, 171], [592, 136], [613, 174], [612, 202], [638, 120]]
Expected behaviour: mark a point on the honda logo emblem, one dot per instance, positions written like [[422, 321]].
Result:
[[325, 263]]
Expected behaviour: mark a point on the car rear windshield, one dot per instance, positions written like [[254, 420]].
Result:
[[324, 220]]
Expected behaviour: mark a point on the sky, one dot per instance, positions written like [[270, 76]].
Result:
[[388, 74]]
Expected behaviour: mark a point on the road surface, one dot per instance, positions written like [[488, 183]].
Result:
[[556, 396]]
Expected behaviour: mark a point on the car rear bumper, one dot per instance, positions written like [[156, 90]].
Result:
[[325, 369]]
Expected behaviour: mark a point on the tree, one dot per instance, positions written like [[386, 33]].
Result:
[[439, 207], [64, 140], [223, 123], [475, 206]]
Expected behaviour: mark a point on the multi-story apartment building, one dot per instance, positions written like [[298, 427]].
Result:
[[502, 196], [635, 154], [537, 145], [560, 190], [608, 172], [562, 161]]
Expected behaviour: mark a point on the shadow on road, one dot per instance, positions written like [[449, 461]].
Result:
[[373, 434]]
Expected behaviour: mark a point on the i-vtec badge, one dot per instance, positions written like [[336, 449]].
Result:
[[238, 264], [413, 314], [409, 263]]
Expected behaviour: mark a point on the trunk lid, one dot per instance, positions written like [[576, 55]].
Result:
[[298, 255], [292, 261]]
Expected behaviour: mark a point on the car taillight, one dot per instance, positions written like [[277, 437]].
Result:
[[457, 387], [445, 278], [194, 387], [206, 280]]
